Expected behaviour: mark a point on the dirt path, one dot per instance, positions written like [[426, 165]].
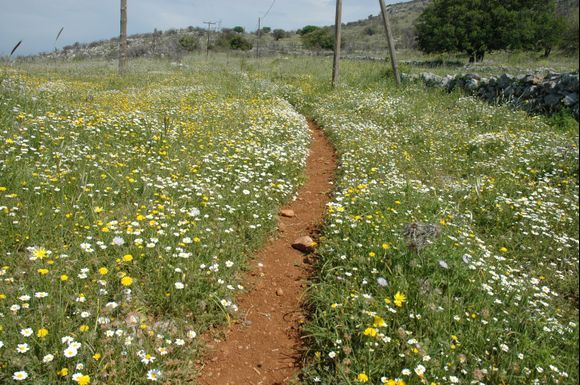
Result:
[[262, 348]]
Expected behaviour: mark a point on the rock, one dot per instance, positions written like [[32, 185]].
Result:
[[471, 85], [505, 81], [529, 91], [570, 99], [279, 292], [287, 213], [419, 235], [552, 100], [533, 79], [304, 244], [431, 79]]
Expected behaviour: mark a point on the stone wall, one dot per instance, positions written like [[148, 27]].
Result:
[[545, 94]]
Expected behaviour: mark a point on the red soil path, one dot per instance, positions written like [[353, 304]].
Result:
[[263, 346]]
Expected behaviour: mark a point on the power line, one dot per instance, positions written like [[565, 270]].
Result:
[[269, 9]]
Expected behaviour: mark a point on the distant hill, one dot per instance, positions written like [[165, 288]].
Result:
[[361, 37]]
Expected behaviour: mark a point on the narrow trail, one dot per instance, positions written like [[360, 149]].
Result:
[[262, 347]]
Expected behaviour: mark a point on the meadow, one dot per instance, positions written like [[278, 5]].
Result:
[[128, 207], [450, 250]]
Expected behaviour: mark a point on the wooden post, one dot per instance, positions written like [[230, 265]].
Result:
[[123, 39], [209, 24], [259, 36], [337, 43], [391, 41]]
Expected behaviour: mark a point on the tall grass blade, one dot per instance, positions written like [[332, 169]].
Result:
[[58, 35], [15, 47]]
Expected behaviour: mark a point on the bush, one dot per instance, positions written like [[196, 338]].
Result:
[[279, 34], [306, 30], [240, 43], [319, 39], [188, 43]]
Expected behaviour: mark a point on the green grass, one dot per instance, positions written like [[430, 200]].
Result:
[[494, 298], [188, 164], [127, 208]]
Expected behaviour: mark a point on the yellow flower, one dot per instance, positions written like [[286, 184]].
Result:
[[372, 254], [42, 271], [63, 372], [84, 328], [386, 246], [40, 252], [83, 380], [362, 377], [97, 356], [370, 332], [126, 281], [64, 277], [400, 299], [454, 342], [41, 333], [379, 322], [503, 250], [127, 258], [103, 271]]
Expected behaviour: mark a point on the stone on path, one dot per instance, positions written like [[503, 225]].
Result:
[[287, 213], [304, 244]]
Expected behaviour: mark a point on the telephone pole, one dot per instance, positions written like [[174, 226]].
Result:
[[209, 24], [391, 42], [337, 44], [123, 39]]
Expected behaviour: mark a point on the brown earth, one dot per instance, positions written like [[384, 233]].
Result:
[[263, 345]]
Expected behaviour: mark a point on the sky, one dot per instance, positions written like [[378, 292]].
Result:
[[37, 22]]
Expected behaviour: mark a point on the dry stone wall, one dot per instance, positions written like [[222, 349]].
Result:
[[546, 94]]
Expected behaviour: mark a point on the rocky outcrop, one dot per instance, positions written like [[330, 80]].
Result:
[[546, 94]]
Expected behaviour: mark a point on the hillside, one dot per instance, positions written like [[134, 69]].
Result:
[[361, 37]]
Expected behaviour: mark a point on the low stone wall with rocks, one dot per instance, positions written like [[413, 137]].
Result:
[[545, 94]]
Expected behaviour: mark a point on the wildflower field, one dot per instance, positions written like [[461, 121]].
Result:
[[129, 206], [450, 249]]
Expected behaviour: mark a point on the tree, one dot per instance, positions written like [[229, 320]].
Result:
[[279, 34], [479, 26], [238, 29], [266, 30], [235, 41], [320, 38], [238, 42], [570, 41], [306, 30], [188, 43]]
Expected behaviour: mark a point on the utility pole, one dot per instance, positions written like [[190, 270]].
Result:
[[337, 43], [391, 42], [123, 39], [259, 37], [209, 24]]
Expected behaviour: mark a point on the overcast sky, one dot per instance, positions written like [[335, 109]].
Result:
[[37, 22]]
